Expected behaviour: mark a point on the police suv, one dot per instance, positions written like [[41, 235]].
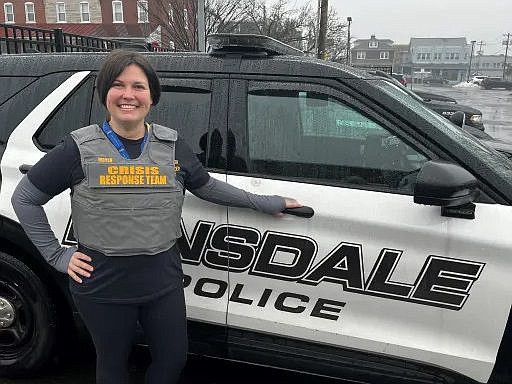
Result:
[[403, 273]]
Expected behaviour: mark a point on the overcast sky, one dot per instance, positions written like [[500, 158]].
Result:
[[399, 20]]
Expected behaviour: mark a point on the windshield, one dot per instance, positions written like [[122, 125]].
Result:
[[491, 157]]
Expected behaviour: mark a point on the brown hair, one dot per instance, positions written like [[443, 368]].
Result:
[[116, 63]]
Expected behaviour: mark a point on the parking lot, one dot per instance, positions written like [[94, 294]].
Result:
[[496, 106]]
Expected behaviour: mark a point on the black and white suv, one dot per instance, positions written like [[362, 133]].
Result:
[[402, 275]]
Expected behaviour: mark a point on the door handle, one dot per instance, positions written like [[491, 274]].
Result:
[[24, 168], [303, 211]]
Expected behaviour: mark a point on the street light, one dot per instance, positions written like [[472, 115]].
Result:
[[470, 59], [349, 19]]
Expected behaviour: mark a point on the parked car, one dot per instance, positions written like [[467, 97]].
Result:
[[400, 77], [496, 82], [477, 79], [445, 106], [428, 96], [502, 146], [434, 80], [401, 276]]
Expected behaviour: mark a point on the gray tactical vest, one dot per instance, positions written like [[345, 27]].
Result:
[[126, 207]]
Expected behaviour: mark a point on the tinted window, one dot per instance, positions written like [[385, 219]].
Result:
[[186, 110], [315, 136], [72, 114], [14, 110], [11, 85]]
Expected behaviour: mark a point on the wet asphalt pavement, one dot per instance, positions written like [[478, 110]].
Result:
[[495, 104], [78, 368]]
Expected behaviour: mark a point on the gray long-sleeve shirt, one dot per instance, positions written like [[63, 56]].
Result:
[[61, 169]]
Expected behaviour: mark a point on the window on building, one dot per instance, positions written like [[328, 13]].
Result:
[[384, 55], [373, 44], [61, 12], [361, 55], [452, 56], [486, 65], [117, 12], [185, 18], [142, 12], [30, 13], [437, 56], [457, 56], [85, 15], [9, 12]]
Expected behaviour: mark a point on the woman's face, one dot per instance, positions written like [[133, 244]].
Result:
[[129, 99]]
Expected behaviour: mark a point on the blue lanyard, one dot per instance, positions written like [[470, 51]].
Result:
[[116, 141]]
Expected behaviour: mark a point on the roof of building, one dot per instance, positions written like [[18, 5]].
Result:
[[438, 41]]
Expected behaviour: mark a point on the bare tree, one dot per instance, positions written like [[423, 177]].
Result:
[[177, 22], [280, 20], [224, 16], [336, 41]]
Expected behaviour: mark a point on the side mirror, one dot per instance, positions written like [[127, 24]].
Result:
[[449, 186], [458, 118]]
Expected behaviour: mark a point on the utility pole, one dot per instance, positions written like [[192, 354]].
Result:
[[322, 30], [470, 59], [506, 53], [479, 53], [349, 20], [200, 20]]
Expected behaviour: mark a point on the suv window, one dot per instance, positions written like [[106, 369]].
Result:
[[71, 115], [182, 106], [314, 136], [14, 110], [12, 85]]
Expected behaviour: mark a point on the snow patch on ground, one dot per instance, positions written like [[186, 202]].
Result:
[[465, 84]]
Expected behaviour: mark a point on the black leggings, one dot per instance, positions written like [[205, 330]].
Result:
[[113, 326]]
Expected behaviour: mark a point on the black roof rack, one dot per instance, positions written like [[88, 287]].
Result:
[[224, 43]]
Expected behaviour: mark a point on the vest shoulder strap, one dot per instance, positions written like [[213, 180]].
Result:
[[164, 133], [87, 133]]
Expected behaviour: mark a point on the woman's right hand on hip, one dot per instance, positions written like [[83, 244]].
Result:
[[78, 266]]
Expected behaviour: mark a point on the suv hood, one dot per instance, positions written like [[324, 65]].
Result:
[[446, 107]]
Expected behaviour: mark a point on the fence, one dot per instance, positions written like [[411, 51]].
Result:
[[17, 39]]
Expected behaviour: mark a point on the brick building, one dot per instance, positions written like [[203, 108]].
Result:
[[165, 23]]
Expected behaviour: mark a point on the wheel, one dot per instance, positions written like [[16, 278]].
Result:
[[27, 319]]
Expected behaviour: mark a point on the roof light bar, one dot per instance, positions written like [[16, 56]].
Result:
[[222, 43]]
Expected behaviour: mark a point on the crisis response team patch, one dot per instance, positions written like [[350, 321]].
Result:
[[102, 175]]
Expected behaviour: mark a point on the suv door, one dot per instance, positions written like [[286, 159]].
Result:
[[370, 271]]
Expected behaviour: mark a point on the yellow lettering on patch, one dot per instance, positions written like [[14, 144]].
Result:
[[104, 159], [155, 170], [113, 170]]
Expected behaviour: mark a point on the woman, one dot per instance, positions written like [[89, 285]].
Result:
[[126, 200]]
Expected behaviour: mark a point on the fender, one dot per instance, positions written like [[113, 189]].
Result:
[[15, 242]]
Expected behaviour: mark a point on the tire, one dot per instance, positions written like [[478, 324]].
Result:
[[27, 343]]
